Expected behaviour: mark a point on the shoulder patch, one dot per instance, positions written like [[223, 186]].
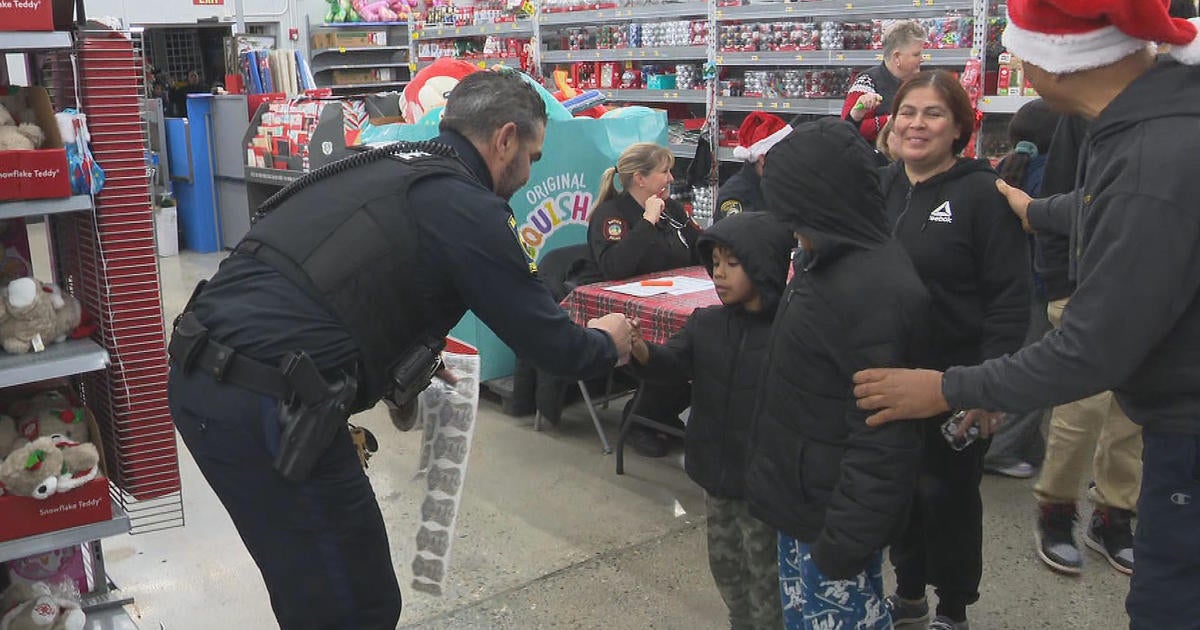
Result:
[[730, 206], [614, 229], [530, 252]]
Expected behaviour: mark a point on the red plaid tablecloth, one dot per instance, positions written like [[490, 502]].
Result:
[[659, 316]]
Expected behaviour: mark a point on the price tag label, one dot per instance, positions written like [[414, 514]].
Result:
[[342, 50], [483, 64], [720, 59], [758, 105], [774, 104], [799, 57], [841, 57], [571, 55], [926, 57], [879, 57], [788, 9], [416, 35], [787, 104], [753, 57], [849, 6]]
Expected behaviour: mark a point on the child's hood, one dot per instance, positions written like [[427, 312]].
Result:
[[761, 242]]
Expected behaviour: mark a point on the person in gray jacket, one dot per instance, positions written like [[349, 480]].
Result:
[[1133, 323]]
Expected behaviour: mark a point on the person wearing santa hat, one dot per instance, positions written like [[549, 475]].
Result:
[[743, 192], [1133, 323]]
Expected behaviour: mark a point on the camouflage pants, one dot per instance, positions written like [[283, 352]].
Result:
[[743, 556]]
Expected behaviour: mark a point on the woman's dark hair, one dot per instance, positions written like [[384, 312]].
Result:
[[1030, 132], [952, 92]]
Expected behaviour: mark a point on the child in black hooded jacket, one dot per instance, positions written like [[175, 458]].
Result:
[[721, 349]]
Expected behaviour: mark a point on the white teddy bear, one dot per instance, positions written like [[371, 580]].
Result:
[[25, 135]]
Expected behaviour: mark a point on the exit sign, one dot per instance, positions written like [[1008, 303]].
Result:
[[207, 2]]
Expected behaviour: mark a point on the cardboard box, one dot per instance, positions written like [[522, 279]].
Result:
[[347, 38], [39, 173], [89, 503], [357, 77]]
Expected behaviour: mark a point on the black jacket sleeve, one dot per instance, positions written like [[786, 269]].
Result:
[[1137, 277], [618, 255], [1004, 274], [1054, 214], [492, 274], [672, 361], [880, 464]]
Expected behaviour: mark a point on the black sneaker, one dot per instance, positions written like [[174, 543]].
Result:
[[1056, 539], [646, 442], [1111, 535], [907, 612]]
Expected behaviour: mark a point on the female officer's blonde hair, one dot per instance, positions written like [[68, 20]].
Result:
[[641, 158]]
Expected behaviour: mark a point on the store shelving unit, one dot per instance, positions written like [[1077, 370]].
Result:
[[103, 252], [394, 56]]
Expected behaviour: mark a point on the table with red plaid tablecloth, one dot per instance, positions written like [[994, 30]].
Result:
[[659, 316]]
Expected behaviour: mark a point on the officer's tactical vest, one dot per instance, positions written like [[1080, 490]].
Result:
[[344, 233]]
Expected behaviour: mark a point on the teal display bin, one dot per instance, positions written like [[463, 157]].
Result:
[[552, 210]]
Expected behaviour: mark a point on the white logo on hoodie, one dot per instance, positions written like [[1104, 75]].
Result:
[[942, 213]]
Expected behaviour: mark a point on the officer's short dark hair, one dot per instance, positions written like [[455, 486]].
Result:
[[485, 101]]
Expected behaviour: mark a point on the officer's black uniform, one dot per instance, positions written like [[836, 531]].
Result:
[[740, 193], [321, 543], [625, 245]]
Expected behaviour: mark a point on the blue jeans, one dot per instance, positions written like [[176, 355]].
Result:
[[1166, 547], [813, 602]]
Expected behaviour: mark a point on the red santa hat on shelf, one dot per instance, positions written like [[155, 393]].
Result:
[[1063, 36], [758, 133]]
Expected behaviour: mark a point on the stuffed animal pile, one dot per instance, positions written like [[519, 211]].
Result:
[[41, 606], [45, 447], [18, 128], [35, 314], [370, 10]]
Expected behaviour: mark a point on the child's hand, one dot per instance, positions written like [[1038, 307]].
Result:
[[638, 348]]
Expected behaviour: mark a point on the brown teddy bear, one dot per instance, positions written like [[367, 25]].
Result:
[[34, 315], [32, 470]]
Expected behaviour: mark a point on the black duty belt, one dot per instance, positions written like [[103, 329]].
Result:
[[192, 349]]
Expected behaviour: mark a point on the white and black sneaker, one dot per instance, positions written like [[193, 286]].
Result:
[[942, 622], [1056, 538], [1111, 535]]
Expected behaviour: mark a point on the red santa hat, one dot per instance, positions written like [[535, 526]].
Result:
[[1063, 36], [758, 133]]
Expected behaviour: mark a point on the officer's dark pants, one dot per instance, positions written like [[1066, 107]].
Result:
[[943, 542], [321, 545], [1166, 546]]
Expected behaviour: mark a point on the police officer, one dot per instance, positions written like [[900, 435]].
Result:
[[743, 192], [351, 273]]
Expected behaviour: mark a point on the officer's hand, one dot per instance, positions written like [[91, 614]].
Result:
[[654, 209], [1019, 202], [867, 102], [617, 327]]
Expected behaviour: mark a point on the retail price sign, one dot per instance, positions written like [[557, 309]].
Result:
[[207, 2]]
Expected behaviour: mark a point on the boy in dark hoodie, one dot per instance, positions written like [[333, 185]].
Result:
[[721, 349], [837, 490]]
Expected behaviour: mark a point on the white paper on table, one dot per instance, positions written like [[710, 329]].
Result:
[[683, 285], [680, 285]]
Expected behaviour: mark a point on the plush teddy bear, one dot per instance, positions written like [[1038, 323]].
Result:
[[32, 470], [30, 310], [81, 463], [25, 135], [37, 606]]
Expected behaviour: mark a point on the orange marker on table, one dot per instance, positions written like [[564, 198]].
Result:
[[658, 283]]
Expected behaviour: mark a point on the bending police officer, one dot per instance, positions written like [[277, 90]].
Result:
[[350, 274]]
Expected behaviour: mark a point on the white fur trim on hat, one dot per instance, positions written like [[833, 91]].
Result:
[[760, 148], [1062, 54], [1188, 54]]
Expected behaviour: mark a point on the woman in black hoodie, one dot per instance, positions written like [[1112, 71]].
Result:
[[970, 252]]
